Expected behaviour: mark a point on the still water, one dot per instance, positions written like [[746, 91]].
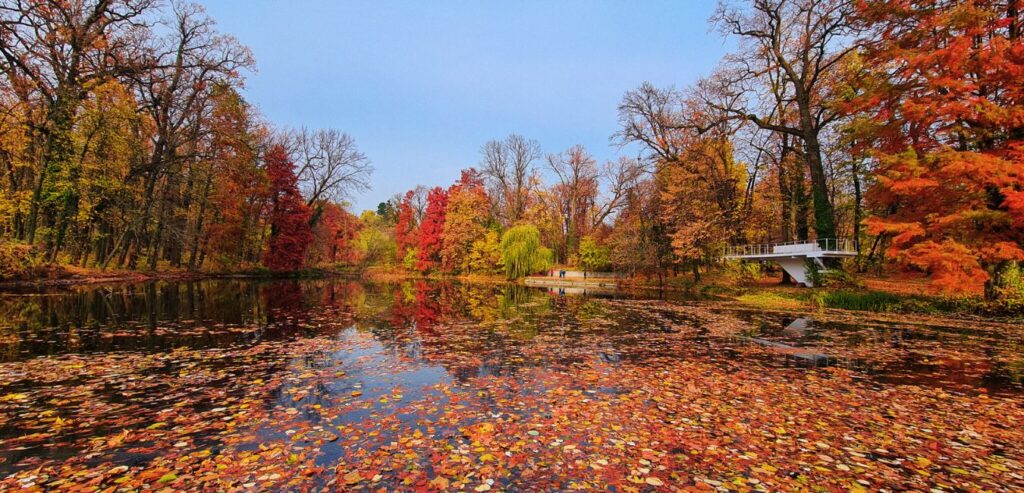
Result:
[[422, 385]]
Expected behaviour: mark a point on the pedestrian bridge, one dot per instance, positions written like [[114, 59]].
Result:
[[794, 256]]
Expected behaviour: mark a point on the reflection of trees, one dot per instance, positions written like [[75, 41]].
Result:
[[469, 329], [128, 316]]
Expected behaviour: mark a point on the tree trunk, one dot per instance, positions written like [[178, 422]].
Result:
[[824, 219]]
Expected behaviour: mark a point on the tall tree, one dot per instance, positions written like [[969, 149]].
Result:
[[507, 166], [790, 50], [290, 234], [465, 220], [53, 53], [575, 196], [431, 237], [947, 103], [406, 235], [331, 167], [190, 61]]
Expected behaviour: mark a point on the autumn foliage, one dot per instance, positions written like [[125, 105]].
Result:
[[431, 234], [290, 234], [946, 108]]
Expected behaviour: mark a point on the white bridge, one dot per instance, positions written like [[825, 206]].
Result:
[[794, 256]]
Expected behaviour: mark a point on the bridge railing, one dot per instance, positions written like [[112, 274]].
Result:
[[831, 245]]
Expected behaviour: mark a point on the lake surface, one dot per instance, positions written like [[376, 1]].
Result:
[[331, 384]]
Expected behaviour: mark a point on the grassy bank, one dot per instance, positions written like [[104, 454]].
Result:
[[783, 298]]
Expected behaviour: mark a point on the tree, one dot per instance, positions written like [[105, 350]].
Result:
[[406, 235], [190, 62], [639, 241], [485, 254], [52, 55], [431, 238], [237, 187], [334, 235], [790, 50], [465, 220], [702, 198], [946, 101], [374, 243], [575, 196], [507, 166], [522, 253], [290, 234], [330, 165], [594, 256]]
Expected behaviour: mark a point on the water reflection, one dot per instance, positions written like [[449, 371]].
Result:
[[412, 320], [124, 357]]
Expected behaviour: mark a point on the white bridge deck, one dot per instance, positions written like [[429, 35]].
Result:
[[792, 256]]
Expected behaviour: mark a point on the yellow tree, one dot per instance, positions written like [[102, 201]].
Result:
[[465, 221]]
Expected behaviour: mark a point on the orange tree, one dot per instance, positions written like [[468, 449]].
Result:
[[946, 127]]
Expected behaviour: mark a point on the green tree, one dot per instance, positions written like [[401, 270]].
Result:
[[593, 256], [522, 253]]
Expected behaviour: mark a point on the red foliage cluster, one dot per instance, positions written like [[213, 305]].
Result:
[[431, 235], [405, 228], [290, 234], [335, 233], [947, 102]]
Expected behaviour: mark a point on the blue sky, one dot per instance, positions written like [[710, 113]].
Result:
[[421, 86]]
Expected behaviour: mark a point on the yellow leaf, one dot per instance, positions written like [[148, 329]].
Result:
[[353, 477]]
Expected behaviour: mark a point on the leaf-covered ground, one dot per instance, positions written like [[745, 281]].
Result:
[[437, 388]]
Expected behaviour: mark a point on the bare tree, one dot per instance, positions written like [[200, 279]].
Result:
[[651, 116], [507, 167], [330, 166], [620, 179], [575, 194]]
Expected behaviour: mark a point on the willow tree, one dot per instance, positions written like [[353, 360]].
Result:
[[522, 253]]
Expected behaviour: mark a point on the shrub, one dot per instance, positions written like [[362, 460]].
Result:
[[19, 261], [741, 271]]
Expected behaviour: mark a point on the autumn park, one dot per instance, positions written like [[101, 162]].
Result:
[[733, 245]]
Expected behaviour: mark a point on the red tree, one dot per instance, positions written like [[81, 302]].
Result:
[[405, 227], [334, 233], [432, 229], [290, 234], [947, 100]]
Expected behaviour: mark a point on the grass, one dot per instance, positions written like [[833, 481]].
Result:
[[872, 301], [772, 301], [868, 301]]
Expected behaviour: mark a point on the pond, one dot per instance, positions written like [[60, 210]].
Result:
[[433, 386]]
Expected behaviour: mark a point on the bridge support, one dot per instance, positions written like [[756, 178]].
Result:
[[794, 257], [797, 269]]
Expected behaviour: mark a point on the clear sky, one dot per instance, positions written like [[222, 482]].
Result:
[[422, 85]]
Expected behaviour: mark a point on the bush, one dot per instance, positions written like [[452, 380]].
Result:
[[742, 271], [19, 261], [873, 301], [1009, 291], [521, 252]]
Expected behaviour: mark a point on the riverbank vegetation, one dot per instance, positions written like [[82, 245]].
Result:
[[126, 144]]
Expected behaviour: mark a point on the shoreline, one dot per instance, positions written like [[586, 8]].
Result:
[[764, 294]]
